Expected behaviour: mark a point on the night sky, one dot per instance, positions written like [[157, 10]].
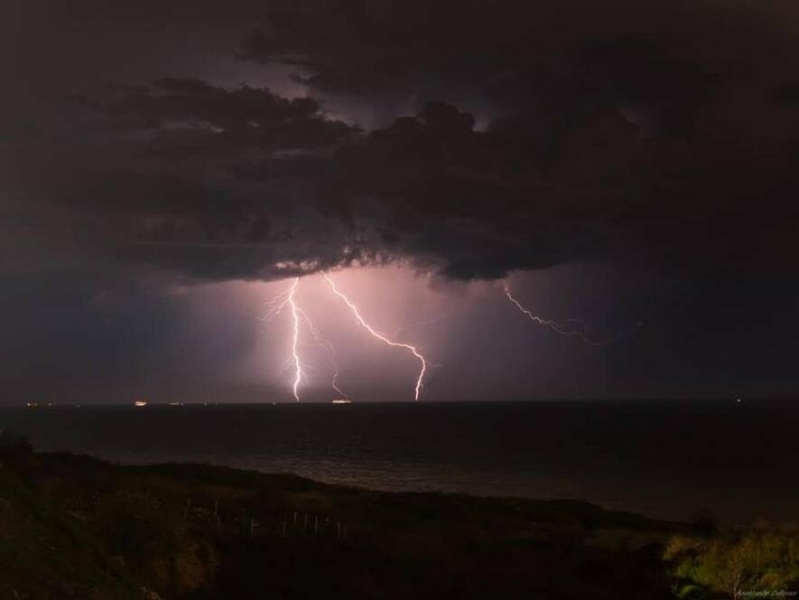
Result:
[[168, 168]]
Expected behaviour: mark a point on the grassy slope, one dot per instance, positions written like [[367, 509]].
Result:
[[78, 527], [46, 553]]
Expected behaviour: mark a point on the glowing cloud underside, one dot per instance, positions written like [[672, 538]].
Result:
[[382, 337], [562, 329]]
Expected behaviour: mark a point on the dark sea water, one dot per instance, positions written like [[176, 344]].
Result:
[[661, 458]]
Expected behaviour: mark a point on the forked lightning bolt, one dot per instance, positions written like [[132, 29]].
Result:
[[295, 339], [275, 307], [288, 298], [412, 349], [558, 327]]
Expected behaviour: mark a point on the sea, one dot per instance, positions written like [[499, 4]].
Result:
[[737, 460]]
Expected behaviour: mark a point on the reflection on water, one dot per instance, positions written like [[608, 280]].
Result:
[[663, 458]]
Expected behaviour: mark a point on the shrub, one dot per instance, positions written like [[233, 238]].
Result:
[[761, 558]]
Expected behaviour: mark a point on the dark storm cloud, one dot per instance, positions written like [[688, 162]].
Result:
[[200, 117], [471, 139], [519, 137], [502, 57]]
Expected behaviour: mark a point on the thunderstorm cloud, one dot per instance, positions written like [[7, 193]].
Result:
[[149, 148], [468, 140]]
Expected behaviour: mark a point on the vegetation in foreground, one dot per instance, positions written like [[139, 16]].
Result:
[[76, 527]]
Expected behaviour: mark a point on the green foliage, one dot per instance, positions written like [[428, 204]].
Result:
[[761, 558]]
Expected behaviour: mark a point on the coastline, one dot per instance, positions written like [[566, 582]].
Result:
[[91, 528]]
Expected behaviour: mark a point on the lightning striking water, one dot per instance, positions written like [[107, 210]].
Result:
[[356, 313], [559, 327], [329, 350], [567, 327], [295, 339], [274, 308]]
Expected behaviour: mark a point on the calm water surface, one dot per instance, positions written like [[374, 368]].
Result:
[[662, 458]]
